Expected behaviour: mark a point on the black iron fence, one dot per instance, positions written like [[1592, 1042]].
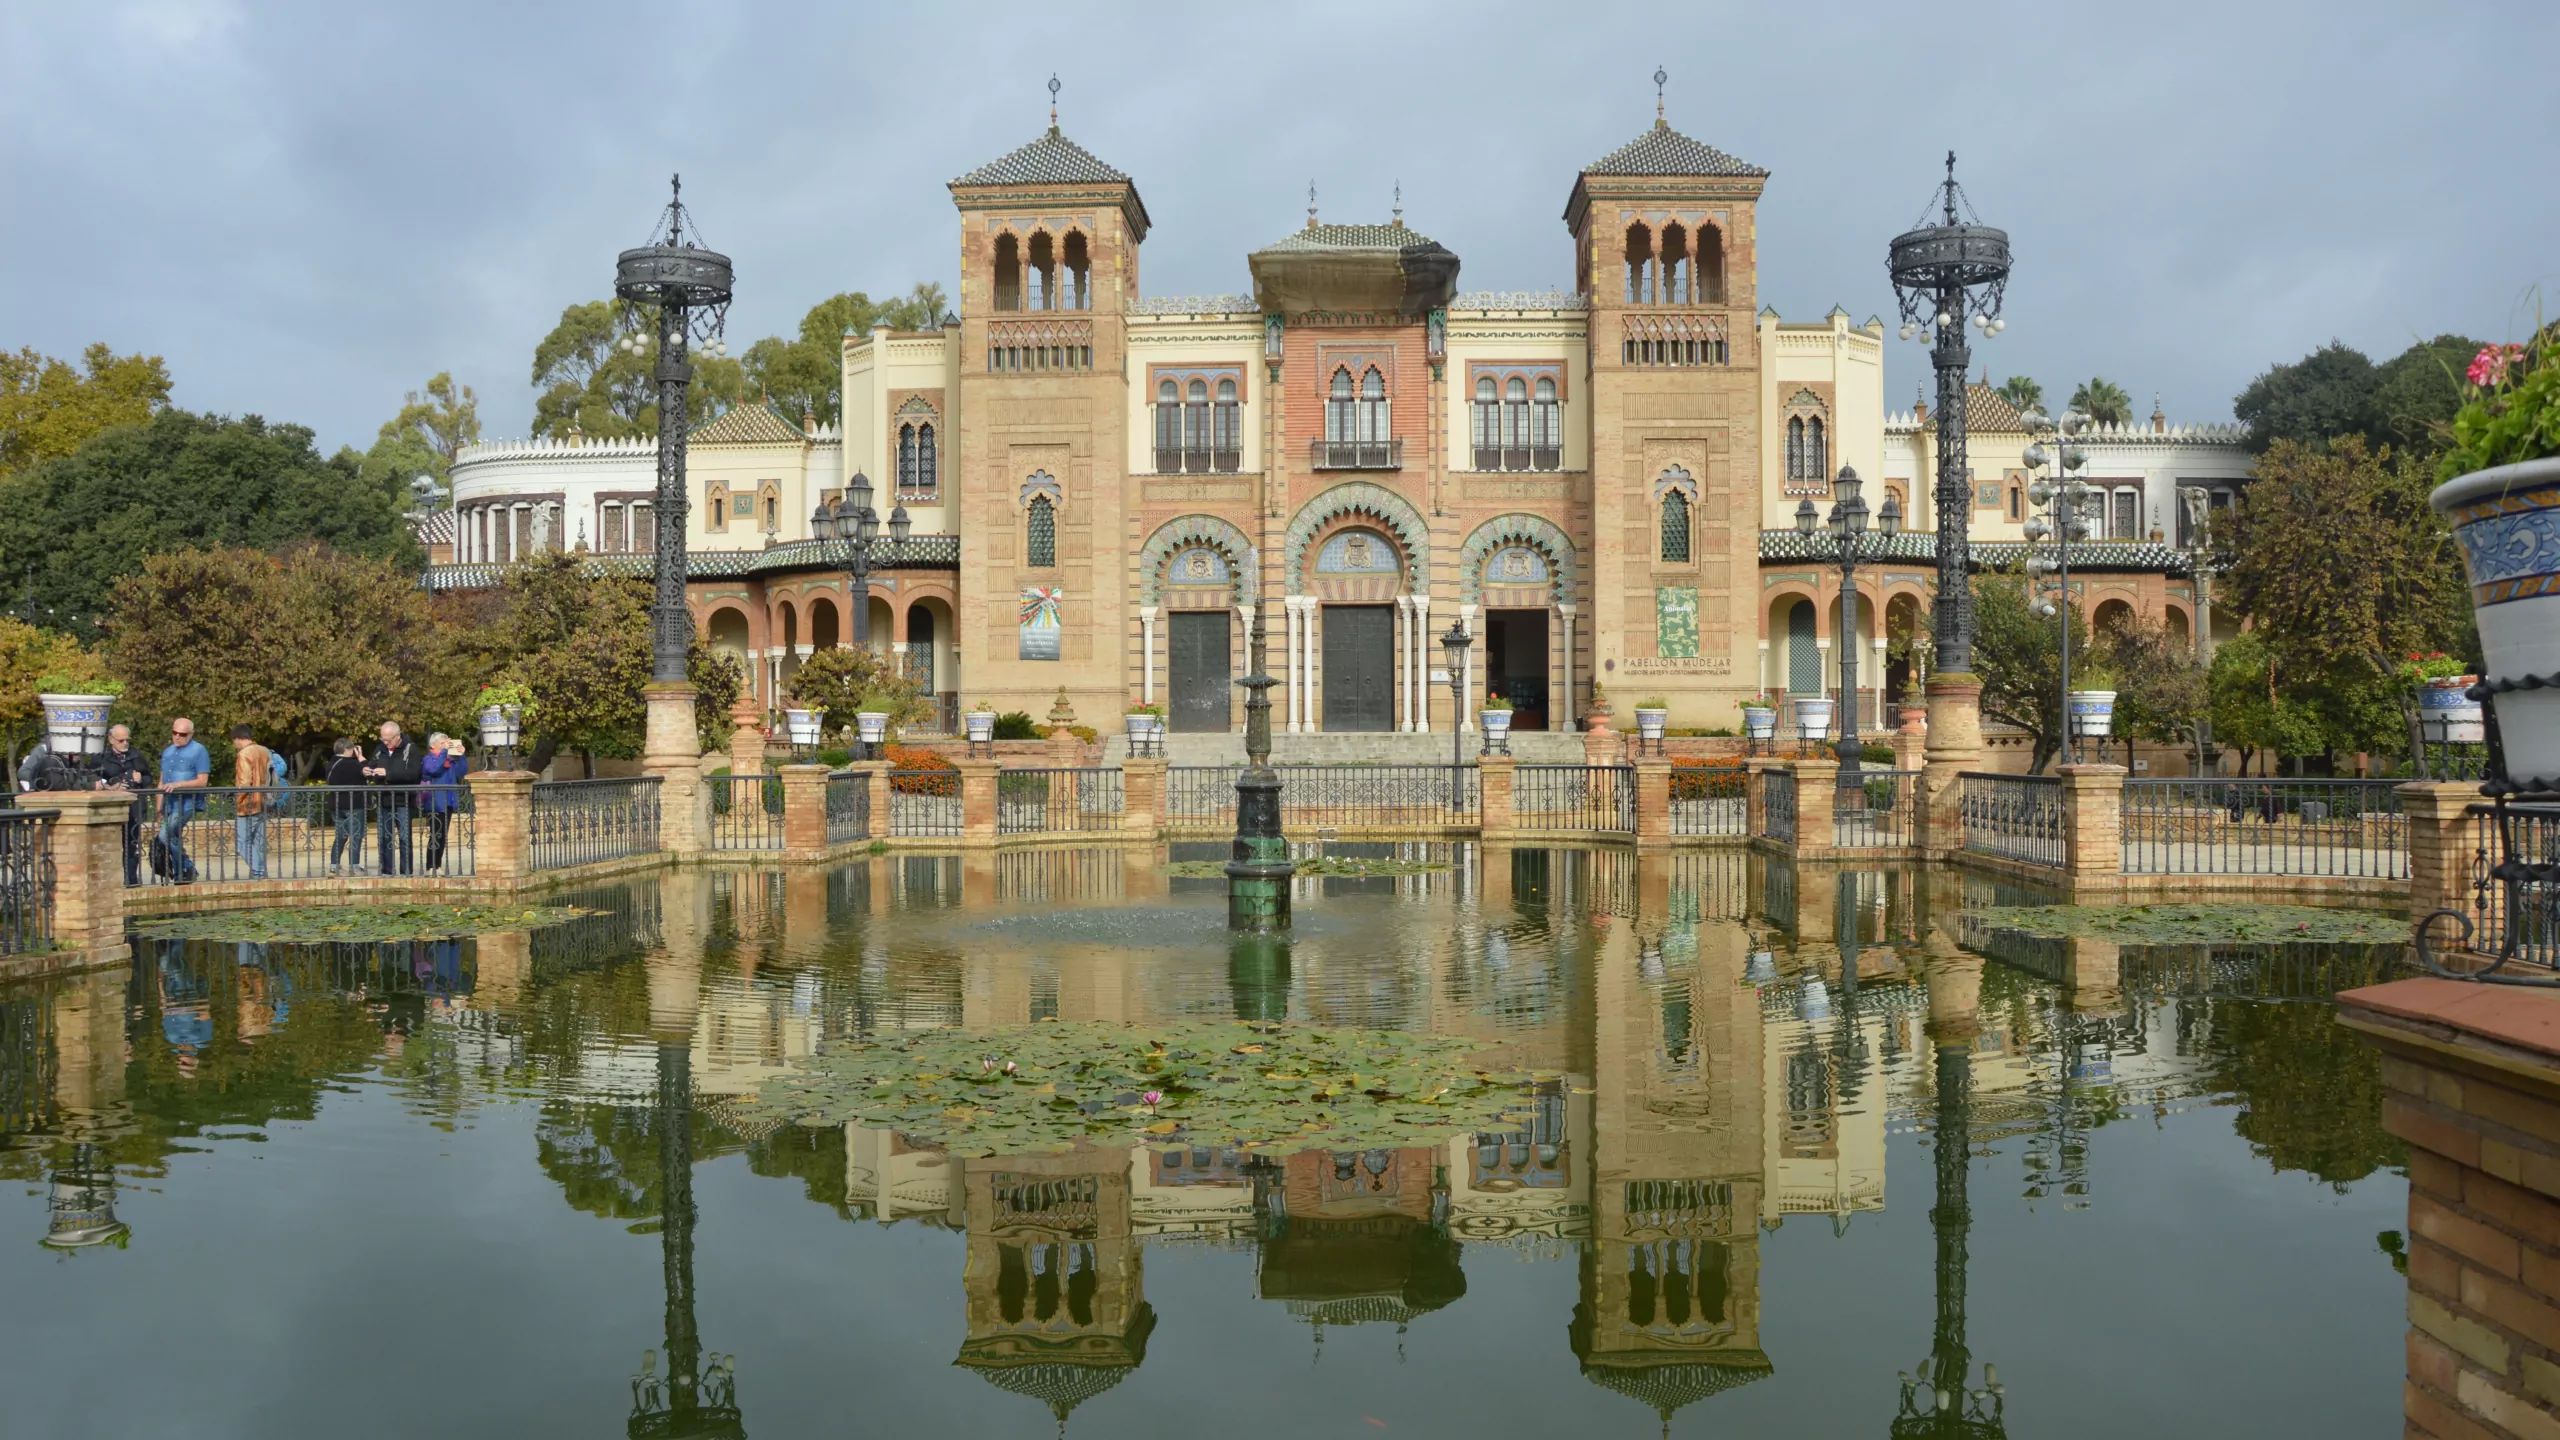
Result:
[[1874, 809], [26, 881], [1062, 800], [1710, 801], [2015, 817], [1598, 798], [298, 832], [2531, 925], [583, 822], [1202, 798], [2243, 826], [1778, 805], [924, 802], [848, 806], [746, 811]]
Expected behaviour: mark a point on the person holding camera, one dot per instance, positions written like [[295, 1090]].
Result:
[[393, 768]]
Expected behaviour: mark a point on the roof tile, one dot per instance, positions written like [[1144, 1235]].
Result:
[[1665, 151], [1052, 159]]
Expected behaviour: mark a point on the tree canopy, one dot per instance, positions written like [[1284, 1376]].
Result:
[[82, 523], [2017, 654], [804, 377], [49, 409], [2103, 400], [2336, 391], [2022, 392], [842, 681], [590, 385], [423, 439], [28, 657]]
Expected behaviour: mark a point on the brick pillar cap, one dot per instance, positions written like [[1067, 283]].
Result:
[[2460, 1011]]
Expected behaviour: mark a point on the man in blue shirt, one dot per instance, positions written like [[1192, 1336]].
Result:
[[184, 772]]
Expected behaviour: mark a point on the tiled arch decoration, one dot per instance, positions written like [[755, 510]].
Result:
[[1358, 497], [1183, 532], [1515, 529]]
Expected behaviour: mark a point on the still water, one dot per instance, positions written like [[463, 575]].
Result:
[[1812, 1134]]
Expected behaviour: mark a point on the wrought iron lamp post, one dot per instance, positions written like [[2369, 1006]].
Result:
[[1848, 525], [852, 523], [2063, 505], [1454, 641], [1945, 276], [1259, 866], [684, 290]]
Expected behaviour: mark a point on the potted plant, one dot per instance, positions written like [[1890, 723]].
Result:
[[2091, 705], [872, 727], [1760, 716], [1813, 718], [2502, 497], [981, 723], [1142, 721], [1496, 716], [504, 707], [75, 711], [1653, 716], [801, 728], [2447, 715]]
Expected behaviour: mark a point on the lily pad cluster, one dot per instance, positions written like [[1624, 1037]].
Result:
[[1358, 866], [324, 923], [2199, 924], [1052, 1085]]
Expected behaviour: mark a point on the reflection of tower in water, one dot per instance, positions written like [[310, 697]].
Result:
[[1057, 1309], [1356, 1237]]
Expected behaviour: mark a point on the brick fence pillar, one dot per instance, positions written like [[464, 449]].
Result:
[[1755, 796], [1653, 801], [978, 802], [1495, 775], [501, 825], [874, 774], [1603, 747], [1952, 745], [2092, 822], [804, 812], [87, 841], [673, 753], [2471, 1080], [1817, 788], [1142, 797], [2441, 845]]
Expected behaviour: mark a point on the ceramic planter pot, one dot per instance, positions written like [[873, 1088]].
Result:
[[1813, 718], [1141, 726], [2093, 714], [800, 727], [1497, 723], [1650, 723], [2507, 519], [982, 726], [872, 726], [1759, 722], [76, 724], [2447, 715], [501, 726]]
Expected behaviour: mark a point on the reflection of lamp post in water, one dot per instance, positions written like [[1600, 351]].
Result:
[[1937, 1401], [81, 1211], [694, 1397], [1259, 870]]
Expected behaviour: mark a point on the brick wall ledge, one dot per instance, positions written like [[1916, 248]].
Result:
[[2512, 1031]]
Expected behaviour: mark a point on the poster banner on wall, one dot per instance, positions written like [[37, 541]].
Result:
[[1042, 628], [1675, 622]]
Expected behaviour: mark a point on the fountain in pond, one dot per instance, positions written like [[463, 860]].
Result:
[[1258, 875]]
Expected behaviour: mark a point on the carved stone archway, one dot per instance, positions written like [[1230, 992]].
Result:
[[1359, 497]]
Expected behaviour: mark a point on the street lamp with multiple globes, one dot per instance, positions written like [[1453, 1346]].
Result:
[[2064, 518], [852, 523], [1848, 525]]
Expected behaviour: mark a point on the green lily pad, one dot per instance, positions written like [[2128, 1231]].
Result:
[[321, 923], [2198, 924], [1270, 1088]]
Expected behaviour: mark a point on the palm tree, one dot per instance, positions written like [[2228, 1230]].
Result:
[[2103, 400], [2022, 392]]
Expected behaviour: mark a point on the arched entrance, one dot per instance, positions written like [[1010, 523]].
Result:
[[1520, 569], [1357, 576], [1195, 583], [1358, 614]]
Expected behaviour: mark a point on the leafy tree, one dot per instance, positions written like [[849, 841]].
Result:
[[2103, 400], [2326, 393], [82, 523], [2310, 1094], [48, 409], [2248, 709], [423, 439], [2022, 392], [849, 679], [2161, 694], [804, 377], [27, 656], [304, 647], [2017, 654], [592, 386], [2416, 393]]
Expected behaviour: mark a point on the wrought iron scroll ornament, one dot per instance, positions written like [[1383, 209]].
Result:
[[2529, 887]]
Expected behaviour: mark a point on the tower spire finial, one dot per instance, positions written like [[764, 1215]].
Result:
[[1661, 77], [1053, 101], [1951, 187], [1311, 204], [1399, 209]]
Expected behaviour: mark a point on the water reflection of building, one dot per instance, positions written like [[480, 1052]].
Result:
[[1354, 1237], [1056, 1306]]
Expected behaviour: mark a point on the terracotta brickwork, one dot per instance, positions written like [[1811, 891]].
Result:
[[87, 840], [2093, 821]]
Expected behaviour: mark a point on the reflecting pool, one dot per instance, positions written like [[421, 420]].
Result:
[[1808, 1152]]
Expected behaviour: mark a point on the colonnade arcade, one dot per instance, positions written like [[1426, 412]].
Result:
[[773, 633]]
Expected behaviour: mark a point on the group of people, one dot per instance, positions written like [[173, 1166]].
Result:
[[391, 783]]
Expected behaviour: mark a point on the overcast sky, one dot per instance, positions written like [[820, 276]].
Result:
[[309, 208]]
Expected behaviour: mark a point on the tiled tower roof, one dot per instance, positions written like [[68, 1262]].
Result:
[[1665, 151], [1052, 159]]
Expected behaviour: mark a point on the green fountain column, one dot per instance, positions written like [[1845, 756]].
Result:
[[1258, 874]]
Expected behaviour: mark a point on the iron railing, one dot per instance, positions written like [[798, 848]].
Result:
[[2530, 931], [584, 822], [2244, 826], [848, 806], [1599, 798], [1198, 459], [1710, 801], [1873, 809], [300, 832], [1059, 801], [1202, 798], [1778, 805], [1355, 454], [2015, 817], [924, 802], [26, 881], [746, 811]]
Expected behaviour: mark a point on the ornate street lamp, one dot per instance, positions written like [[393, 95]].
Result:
[[2063, 505], [1945, 276], [1258, 867], [1848, 525], [684, 290], [1454, 641], [853, 524]]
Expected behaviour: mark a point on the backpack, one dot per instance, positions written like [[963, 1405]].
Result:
[[275, 766]]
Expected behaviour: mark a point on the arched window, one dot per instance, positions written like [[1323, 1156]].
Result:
[[1675, 527], [1373, 417], [1817, 460], [719, 509], [1795, 447], [1008, 273], [1676, 268], [1079, 279], [1040, 533], [928, 464], [1707, 268], [1168, 427], [1040, 277], [1337, 410], [1639, 264], [1804, 653], [906, 459], [2017, 504], [1515, 424], [1228, 439], [1488, 425], [1549, 437], [1195, 427]]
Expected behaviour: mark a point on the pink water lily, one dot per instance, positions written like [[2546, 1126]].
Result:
[[1153, 1099], [1009, 1067]]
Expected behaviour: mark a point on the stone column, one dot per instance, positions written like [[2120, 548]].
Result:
[[501, 825], [1565, 612], [1147, 654], [1494, 774], [804, 812], [673, 753], [2092, 822], [2441, 846], [1424, 648], [978, 803], [1953, 746], [746, 737], [1142, 797], [1817, 786], [1653, 801], [1910, 746], [87, 841]]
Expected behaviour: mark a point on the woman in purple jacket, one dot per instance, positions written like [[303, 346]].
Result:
[[442, 773]]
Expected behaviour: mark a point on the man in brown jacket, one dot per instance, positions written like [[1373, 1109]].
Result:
[[252, 773]]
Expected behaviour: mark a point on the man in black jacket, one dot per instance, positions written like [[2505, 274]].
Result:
[[121, 767], [393, 768]]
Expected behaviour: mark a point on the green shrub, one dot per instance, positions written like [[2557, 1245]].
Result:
[[1016, 725]]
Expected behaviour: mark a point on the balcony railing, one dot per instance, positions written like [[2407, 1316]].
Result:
[[1179, 461], [1516, 457], [1356, 454]]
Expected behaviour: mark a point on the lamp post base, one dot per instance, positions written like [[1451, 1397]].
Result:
[[1952, 746], [1258, 876], [673, 753]]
